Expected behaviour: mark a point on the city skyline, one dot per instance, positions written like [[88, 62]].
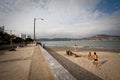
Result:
[[62, 18]]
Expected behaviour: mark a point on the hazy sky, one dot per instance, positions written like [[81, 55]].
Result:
[[62, 18]]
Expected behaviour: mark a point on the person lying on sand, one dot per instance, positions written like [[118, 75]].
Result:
[[95, 57], [68, 52]]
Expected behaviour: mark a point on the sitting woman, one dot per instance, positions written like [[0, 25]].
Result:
[[89, 56]]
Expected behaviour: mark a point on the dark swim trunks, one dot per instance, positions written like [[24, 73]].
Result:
[[95, 59]]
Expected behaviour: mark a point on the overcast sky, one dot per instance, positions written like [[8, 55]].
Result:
[[62, 18]]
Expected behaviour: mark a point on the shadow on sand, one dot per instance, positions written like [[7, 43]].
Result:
[[2, 53], [17, 59], [77, 71], [102, 62]]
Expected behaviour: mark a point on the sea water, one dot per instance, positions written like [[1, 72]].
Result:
[[108, 44]]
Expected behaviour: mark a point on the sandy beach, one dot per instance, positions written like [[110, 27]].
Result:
[[109, 61]]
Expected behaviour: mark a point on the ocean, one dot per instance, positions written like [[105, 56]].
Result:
[[100, 44]]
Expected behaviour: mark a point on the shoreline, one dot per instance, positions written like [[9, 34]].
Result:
[[86, 48]]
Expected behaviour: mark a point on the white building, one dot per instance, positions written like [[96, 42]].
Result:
[[23, 36], [2, 29]]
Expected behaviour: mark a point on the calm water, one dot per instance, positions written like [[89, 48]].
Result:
[[85, 43]]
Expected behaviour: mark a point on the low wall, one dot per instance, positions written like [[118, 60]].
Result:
[[60, 73]]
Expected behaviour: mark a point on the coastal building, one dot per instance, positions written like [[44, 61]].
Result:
[[28, 36], [2, 29], [23, 36]]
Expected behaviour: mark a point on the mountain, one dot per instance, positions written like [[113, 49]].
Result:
[[97, 37], [102, 37], [54, 39]]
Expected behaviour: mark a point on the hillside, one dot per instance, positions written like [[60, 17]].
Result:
[[103, 37], [97, 37]]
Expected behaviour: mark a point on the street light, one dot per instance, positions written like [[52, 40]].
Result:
[[35, 25]]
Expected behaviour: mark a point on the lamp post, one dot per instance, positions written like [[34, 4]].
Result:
[[34, 28], [35, 25]]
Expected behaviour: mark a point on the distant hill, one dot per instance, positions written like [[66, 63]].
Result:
[[55, 39], [97, 37], [102, 37]]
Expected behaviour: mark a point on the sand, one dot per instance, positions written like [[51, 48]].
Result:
[[108, 67]]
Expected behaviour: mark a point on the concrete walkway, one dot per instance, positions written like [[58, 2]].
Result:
[[39, 68], [58, 70], [25, 63]]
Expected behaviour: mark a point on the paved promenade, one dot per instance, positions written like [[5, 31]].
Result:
[[39, 67], [25, 63]]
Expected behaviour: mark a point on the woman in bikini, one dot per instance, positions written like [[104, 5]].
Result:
[[75, 47], [95, 57]]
